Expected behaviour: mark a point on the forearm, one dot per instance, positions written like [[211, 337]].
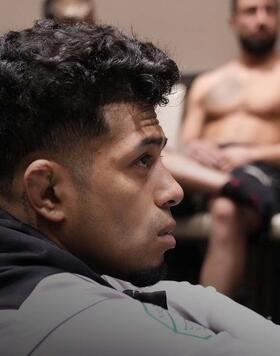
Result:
[[243, 323], [221, 314], [266, 153], [192, 175]]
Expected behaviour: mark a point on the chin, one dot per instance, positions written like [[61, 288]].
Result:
[[147, 277]]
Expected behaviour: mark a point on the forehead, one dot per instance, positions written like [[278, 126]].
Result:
[[131, 122], [71, 7], [70, 2], [241, 4]]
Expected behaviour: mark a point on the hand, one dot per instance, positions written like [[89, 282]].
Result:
[[204, 152], [233, 157]]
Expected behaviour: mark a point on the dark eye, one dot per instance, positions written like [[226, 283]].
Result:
[[271, 10], [145, 161], [251, 10]]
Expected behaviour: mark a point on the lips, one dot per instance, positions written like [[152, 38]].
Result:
[[261, 34], [168, 229]]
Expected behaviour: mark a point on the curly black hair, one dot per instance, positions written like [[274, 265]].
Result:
[[55, 79]]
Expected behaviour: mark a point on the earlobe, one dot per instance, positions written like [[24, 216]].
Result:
[[40, 181], [231, 22]]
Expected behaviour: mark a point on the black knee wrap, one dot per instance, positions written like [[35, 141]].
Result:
[[250, 186]]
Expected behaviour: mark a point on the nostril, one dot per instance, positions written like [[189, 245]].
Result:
[[170, 203]]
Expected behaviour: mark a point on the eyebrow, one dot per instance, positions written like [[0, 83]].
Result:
[[158, 141]]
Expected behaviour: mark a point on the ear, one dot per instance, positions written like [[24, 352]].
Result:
[[232, 22], [43, 180]]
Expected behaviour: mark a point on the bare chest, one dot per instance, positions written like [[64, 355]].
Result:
[[255, 94]]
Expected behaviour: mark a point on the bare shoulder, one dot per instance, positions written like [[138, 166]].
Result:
[[207, 80]]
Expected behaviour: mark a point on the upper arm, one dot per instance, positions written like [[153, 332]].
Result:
[[121, 327], [195, 113]]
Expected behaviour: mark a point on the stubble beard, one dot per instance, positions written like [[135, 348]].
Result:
[[258, 48], [147, 277]]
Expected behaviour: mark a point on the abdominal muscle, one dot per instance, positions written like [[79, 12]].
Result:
[[242, 128]]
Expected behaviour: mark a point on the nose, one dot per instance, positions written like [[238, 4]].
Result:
[[262, 16], [168, 192]]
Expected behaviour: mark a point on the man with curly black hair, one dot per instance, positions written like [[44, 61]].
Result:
[[86, 205]]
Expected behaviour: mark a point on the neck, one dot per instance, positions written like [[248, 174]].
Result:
[[24, 213], [251, 61]]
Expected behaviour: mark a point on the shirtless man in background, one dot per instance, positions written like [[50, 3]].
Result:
[[233, 119]]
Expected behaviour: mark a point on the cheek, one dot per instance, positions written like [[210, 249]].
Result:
[[120, 207], [122, 216], [132, 219], [137, 212], [129, 201], [246, 27], [125, 241], [274, 26]]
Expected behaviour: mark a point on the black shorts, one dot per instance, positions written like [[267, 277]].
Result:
[[196, 202]]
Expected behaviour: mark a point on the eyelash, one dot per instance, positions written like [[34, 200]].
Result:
[[148, 160]]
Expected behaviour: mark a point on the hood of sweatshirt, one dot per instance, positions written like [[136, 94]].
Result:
[[26, 257]]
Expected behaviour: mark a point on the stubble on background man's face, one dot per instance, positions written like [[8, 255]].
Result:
[[256, 26]]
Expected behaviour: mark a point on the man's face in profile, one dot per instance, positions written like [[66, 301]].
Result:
[[256, 25], [121, 222]]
